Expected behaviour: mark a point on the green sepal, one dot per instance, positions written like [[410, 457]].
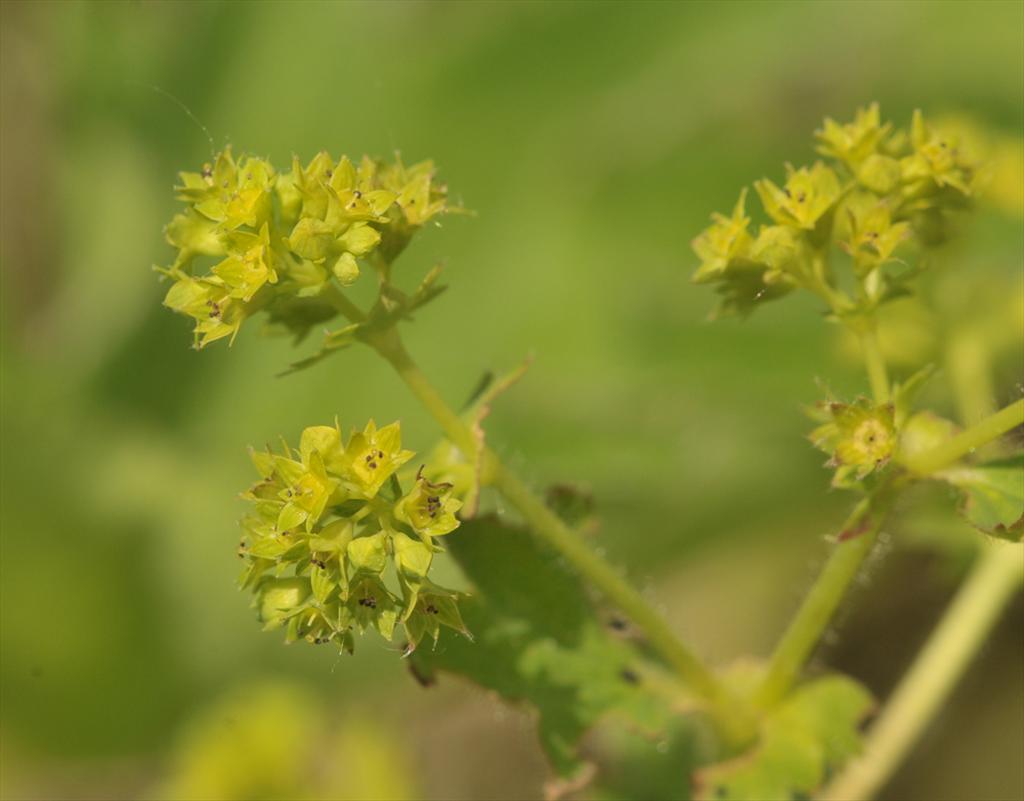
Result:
[[281, 598], [412, 557], [333, 538], [311, 239], [369, 554], [322, 583]]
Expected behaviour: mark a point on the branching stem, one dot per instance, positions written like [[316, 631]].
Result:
[[969, 440], [860, 531], [736, 722]]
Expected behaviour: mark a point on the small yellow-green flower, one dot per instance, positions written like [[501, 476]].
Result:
[[430, 508], [939, 157], [723, 243], [808, 195], [209, 302], [855, 141], [250, 266], [860, 437], [874, 236], [435, 607], [229, 193], [373, 456]]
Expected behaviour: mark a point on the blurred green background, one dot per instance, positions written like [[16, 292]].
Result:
[[593, 140]]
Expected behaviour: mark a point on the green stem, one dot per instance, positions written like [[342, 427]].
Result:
[[923, 689], [821, 602], [546, 525], [878, 376], [335, 296], [550, 528], [969, 440]]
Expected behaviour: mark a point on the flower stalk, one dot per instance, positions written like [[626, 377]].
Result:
[[969, 440]]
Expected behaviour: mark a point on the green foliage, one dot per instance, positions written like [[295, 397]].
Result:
[[539, 641], [992, 495], [800, 742]]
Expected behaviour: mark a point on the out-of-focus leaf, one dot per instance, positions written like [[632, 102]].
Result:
[[801, 742], [993, 496], [539, 641]]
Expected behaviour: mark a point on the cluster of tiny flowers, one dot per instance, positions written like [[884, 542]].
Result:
[[334, 546], [884, 189], [253, 239]]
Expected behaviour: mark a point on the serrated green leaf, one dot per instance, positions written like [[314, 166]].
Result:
[[800, 743], [539, 641], [993, 496]]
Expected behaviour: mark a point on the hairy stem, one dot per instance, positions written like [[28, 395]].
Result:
[[546, 525], [857, 538], [967, 441], [923, 689]]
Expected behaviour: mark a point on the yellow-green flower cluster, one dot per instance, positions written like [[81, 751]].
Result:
[[884, 188], [253, 239], [334, 546]]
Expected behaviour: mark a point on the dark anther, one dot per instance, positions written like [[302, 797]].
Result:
[[358, 194], [431, 609], [629, 677], [373, 465]]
